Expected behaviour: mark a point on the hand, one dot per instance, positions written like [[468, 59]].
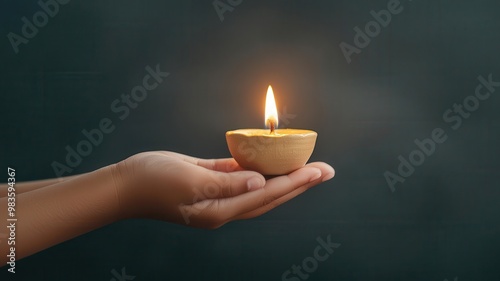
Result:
[[204, 193]]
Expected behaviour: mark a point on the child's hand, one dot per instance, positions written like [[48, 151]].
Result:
[[204, 193]]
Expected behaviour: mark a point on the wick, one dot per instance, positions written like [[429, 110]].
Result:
[[271, 124]]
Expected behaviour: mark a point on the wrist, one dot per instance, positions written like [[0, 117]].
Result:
[[131, 200], [121, 186]]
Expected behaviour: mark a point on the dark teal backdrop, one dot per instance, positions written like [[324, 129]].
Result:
[[440, 223]]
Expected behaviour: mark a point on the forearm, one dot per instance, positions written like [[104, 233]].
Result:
[[22, 187], [61, 211]]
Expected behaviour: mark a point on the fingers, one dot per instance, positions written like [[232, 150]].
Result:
[[327, 173], [274, 188], [213, 213], [271, 204]]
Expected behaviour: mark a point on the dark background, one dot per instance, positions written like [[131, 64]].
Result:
[[441, 223]]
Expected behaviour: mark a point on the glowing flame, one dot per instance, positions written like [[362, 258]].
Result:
[[271, 111]]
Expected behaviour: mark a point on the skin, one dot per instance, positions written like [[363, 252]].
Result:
[[159, 185]]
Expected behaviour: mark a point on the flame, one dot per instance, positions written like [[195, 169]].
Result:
[[271, 117]]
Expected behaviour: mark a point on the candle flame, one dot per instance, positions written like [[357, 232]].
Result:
[[271, 117]]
